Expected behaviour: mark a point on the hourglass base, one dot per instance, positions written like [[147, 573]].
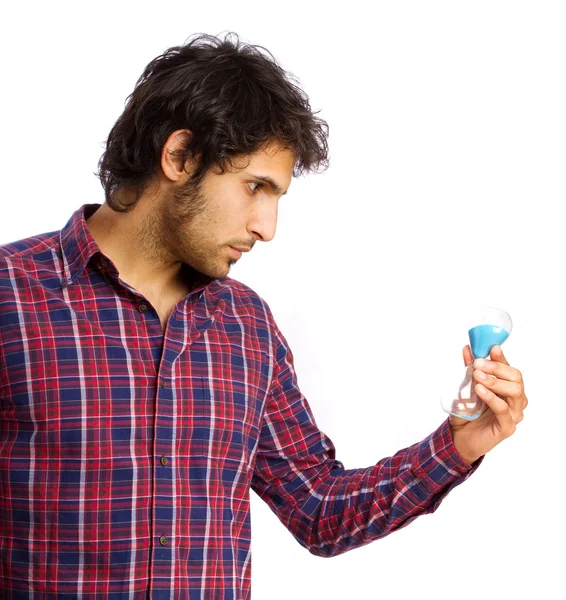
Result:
[[465, 403]]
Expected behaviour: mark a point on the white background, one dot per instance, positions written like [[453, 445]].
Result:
[[446, 189]]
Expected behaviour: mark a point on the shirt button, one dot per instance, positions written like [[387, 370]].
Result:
[[163, 540], [163, 383], [104, 262], [163, 460], [142, 308]]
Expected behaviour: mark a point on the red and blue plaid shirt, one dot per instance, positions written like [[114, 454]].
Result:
[[127, 454]]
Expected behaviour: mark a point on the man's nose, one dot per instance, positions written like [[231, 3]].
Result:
[[264, 222]]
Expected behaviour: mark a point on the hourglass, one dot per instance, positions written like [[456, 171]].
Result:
[[488, 327]]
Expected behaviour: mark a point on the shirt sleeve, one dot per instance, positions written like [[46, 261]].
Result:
[[330, 509]]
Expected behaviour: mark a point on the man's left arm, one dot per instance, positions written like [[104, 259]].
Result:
[[330, 509]]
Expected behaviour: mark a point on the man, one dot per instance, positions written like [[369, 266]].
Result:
[[144, 391]]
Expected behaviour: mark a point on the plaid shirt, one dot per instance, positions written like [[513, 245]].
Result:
[[127, 455]]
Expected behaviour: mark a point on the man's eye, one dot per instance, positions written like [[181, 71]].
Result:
[[252, 183]]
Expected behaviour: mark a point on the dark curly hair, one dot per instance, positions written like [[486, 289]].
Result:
[[234, 98]]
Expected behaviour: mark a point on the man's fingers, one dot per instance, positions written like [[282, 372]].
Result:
[[500, 409], [501, 387], [468, 356], [496, 354], [499, 370]]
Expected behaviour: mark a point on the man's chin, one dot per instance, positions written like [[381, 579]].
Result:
[[218, 272]]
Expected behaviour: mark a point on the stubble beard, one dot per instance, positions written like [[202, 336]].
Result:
[[184, 241]]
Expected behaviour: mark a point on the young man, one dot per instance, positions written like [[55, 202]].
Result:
[[144, 391]]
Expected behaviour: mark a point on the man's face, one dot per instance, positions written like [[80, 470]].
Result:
[[202, 225]]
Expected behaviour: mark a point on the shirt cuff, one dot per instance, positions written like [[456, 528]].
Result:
[[437, 464]]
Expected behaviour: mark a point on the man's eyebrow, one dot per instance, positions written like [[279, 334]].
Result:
[[270, 182]]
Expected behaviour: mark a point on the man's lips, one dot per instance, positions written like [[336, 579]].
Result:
[[237, 252]]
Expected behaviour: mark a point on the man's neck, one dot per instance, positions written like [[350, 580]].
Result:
[[118, 237]]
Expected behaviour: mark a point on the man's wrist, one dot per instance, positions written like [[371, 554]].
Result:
[[461, 448]]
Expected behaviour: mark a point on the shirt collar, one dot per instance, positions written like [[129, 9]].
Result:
[[78, 246], [77, 243]]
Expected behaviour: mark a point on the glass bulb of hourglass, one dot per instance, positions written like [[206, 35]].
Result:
[[487, 328]]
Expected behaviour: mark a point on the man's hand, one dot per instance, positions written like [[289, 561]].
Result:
[[501, 387]]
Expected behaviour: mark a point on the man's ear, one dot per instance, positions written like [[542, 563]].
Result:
[[172, 155]]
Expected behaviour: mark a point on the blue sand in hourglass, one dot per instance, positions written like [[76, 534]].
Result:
[[484, 337]]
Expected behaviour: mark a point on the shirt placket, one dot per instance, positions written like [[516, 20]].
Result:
[[164, 459]]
